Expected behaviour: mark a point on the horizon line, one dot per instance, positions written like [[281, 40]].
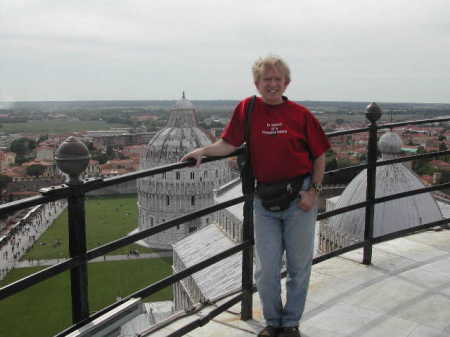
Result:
[[221, 99]]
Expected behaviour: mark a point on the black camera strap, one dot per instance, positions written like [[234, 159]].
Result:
[[248, 121], [247, 176]]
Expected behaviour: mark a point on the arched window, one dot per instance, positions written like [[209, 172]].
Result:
[[193, 200], [167, 200]]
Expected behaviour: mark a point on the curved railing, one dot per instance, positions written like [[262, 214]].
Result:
[[77, 263]]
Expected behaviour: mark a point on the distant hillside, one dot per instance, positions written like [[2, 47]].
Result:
[[220, 106]]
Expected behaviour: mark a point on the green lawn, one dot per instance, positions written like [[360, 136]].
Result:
[[107, 219], [55, 126], [45, 308]]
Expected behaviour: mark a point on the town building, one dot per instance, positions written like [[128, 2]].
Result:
[[7, 159], [45, 152], [122, 137]]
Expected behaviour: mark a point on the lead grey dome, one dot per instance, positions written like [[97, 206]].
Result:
[[390, 143], [184, 104], [389, 216], [172, 194]]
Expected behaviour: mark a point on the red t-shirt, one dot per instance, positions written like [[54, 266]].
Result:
[[279, 135]]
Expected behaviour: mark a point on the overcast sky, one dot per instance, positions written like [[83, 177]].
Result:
[[357, 50]]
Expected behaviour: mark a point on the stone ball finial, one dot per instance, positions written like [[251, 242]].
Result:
[[373, 112], [72, 158]]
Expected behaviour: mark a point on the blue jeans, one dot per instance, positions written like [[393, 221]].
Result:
[[290, 231]]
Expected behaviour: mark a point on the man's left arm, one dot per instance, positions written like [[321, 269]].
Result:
[[309, 198]]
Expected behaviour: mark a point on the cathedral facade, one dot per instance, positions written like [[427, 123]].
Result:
[[165, 196]]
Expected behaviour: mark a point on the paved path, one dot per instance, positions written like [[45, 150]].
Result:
[[50, 262]]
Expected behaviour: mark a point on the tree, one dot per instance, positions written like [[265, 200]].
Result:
[[445, 178], [100, 157], [342, 177], [330, 161], [22, 146], [90, 146], [35, 170], [421, 166], [110, 151], [4, 181], [42, 138], [362, 157], [20, 159]]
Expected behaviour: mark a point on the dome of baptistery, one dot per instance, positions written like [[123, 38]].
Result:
[[172, 194], [347, 228], [184, 104]]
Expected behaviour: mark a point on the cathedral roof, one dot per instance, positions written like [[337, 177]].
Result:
[[231, 190], [390, 216], [219, 278]]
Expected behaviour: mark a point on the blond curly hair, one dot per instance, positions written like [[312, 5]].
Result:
[[263, 63]]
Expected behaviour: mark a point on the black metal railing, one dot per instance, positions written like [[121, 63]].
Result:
[[75, 190]]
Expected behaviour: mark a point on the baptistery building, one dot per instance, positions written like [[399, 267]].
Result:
[[175, 193], [348, 228]]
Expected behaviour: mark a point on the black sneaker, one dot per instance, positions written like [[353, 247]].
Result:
[[269, 331], [291, 331]]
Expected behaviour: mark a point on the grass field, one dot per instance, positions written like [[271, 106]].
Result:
[[45, 309], [55, 126], [107, 219]]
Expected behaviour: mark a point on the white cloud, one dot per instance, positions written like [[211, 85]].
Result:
[[350, 50]]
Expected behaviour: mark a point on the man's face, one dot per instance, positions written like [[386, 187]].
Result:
[[271, 85]]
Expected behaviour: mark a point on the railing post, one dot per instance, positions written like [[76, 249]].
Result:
[[373, 113], [248, 187], [247, 260], [72, 158], [77, 247]]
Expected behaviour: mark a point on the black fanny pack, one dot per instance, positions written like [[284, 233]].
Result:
[[277, 196]]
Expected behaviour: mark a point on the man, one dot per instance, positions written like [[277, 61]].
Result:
[[287, 143]]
